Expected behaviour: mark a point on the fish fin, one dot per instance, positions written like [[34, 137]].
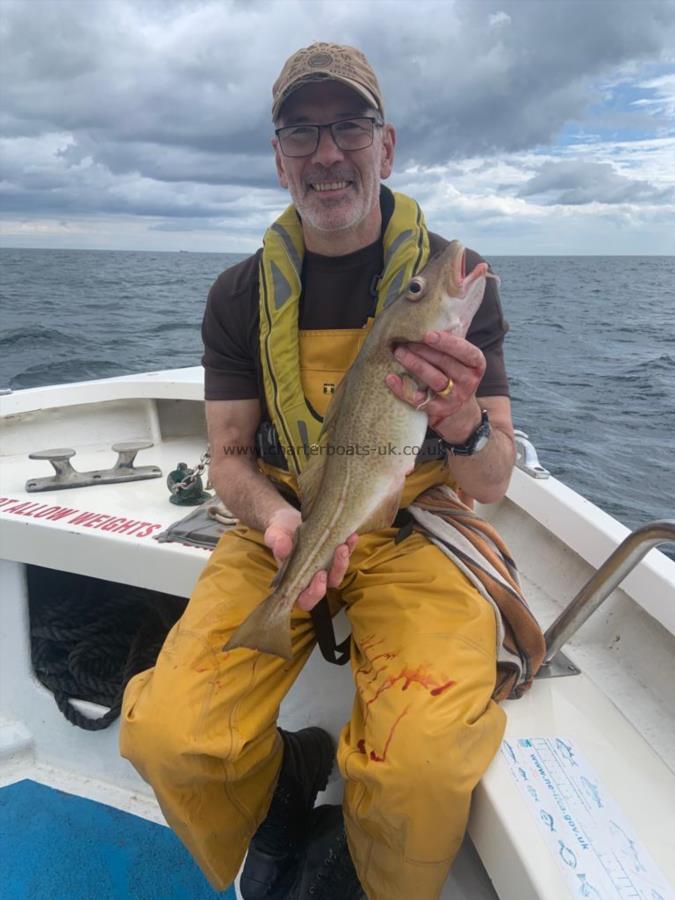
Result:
[[384, 514], [267, 629], [429, 397], [410, 387]]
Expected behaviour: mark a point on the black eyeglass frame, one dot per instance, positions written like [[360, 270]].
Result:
[[376, 122]]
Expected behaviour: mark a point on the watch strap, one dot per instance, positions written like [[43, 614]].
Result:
[[476, 440]]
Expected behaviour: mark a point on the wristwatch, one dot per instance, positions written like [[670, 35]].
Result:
[[475, 442]]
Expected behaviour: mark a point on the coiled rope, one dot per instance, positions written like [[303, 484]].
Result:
[[89, 637]]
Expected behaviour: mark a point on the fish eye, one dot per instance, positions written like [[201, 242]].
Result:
[[415, 288]]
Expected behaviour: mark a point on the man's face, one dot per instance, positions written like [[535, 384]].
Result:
[[333, 189]]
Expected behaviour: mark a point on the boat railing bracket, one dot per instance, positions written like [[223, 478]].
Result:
[[526, 456], [557, 667], [68, 477]]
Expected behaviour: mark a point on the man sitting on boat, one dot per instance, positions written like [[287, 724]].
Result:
[[280, 330]]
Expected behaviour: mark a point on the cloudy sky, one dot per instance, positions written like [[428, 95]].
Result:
[[525, 126]]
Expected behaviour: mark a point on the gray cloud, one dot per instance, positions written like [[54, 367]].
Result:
[[172, 164], [576, 182], [466, 88], [163, 107]]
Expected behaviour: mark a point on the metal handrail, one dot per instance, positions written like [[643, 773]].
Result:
[[610, 574]]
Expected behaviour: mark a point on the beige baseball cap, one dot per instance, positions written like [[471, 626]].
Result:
[[330, 62]]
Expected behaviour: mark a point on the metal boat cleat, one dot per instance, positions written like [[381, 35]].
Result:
[[526, 456], [68, 477]]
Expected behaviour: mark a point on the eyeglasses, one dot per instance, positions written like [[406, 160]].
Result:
[[348, 134]]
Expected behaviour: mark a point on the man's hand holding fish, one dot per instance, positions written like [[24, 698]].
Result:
[[445, 360], [279, 537]]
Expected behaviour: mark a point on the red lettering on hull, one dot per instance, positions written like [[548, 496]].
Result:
[[78, 517]]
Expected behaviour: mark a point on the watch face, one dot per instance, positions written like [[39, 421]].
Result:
[[476, 441], [481, 441], [480, 437]]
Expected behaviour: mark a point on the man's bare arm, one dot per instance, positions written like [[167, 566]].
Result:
[[244, 490], [486, 475]]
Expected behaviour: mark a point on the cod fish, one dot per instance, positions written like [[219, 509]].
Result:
[[353, 483]]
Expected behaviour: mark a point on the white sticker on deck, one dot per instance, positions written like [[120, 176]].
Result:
[[584, 829]]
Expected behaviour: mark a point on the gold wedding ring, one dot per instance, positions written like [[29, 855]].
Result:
[[447, 390]]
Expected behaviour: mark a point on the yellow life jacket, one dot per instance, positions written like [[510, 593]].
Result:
[[406, 251]]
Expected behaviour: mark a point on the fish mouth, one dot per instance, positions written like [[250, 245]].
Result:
[[464, 281], [459, 272], [460, 266]]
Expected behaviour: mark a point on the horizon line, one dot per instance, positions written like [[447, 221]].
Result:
[[249, 253]]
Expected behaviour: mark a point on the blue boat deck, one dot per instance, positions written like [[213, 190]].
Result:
[[64, 847]]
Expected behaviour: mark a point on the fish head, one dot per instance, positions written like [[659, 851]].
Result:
[[446, 297]]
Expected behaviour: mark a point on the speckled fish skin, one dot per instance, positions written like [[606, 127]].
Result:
[[354, 484]]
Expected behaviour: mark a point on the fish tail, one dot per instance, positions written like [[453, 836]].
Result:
[[267, 628]]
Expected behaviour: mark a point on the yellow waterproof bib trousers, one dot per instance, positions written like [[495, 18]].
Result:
[[201, 726]]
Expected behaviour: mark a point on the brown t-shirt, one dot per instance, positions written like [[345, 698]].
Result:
[[338, 292]]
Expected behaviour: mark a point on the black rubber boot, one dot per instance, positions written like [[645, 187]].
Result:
[[327, 872], [276, 848]]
